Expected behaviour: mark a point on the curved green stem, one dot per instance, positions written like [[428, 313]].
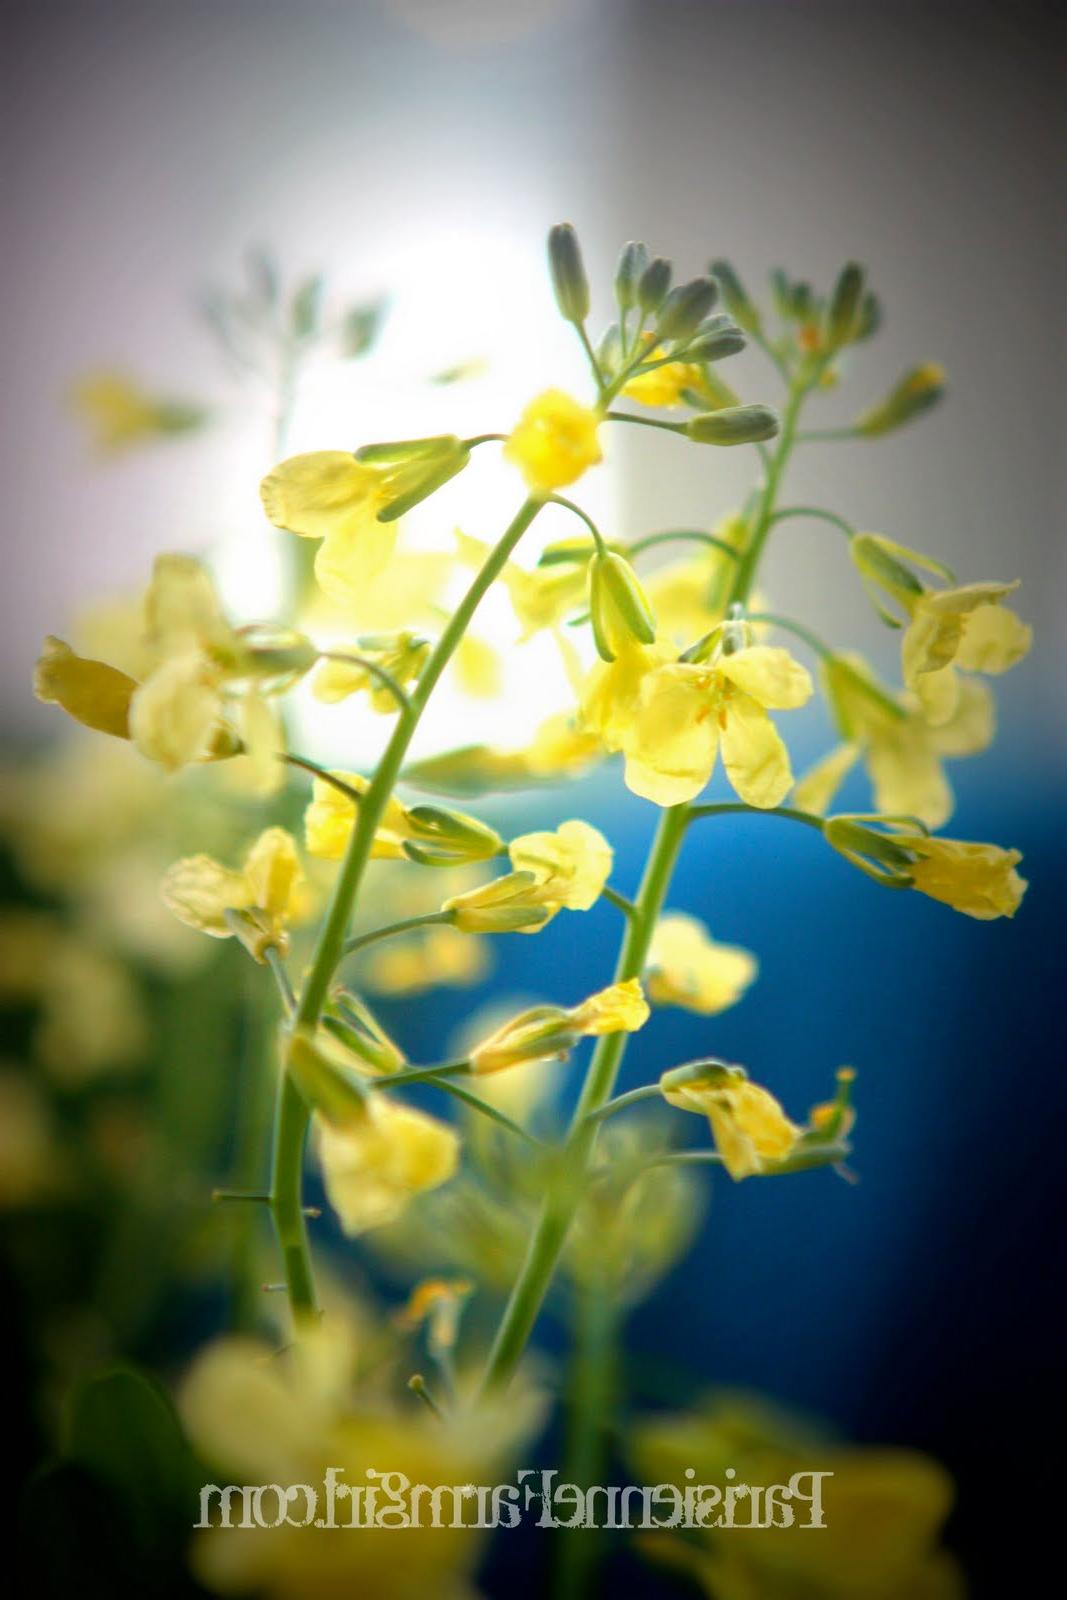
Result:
[[428, 919], [811, 639], [570, 505], [726, 808], [293, 1115], [562, 1200], [632, 1097], [619, 901], [817, 514], [695, 535], [372, 668]]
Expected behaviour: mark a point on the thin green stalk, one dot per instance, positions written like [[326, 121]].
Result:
[[696, 535], [428, 919], [725, 808], [816, 513], [632, 1097], [645, 422], [293, 1115], [745, 571], [374, 669], [592, 1397], [561, 1202]]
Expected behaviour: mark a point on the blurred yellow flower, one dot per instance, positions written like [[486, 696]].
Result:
[[376, 1163], [121, 414], [686, 709], [663, 387], [966, 627], [94, 694], [331, 817], [571, 865], [549, 1033], [266, 892], [329, 495], [403, 657], [554, 442], [438, 956], [751, 1131], [687, 968], [478, 668]]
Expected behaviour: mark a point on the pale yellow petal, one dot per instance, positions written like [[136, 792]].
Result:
[[199, 891], [91, 692], [817, 789], [755, 758], [770, 675], [994, 639], [174, 714]]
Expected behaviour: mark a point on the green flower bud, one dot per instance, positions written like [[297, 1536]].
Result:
[[618, 606], [917, 391], [708, 1072], [325, 1078], [569, 282], [355, 1026], [869, 319], [877, 845], [885, 565], [685, 308], [653, 284], [445, 838], [632, 263], [735, 297], [422, 475], [277, 656], [715, 343], [734, 425], [843, 310]]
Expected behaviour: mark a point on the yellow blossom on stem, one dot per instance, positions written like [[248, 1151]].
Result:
[[330, 496], [751, 1131], [515, 903], [549, 1033], [438, 956], [571, 865], [687, 968], [978, 879], [554, 442], [263, 894], [403, 657], [686, 709], [121, 414], [331, 816], [966, 627]]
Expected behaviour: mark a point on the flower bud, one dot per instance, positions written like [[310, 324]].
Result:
[[569, 282], [632, 263], [735, 297], [653, 284], [544, 1033], [870, 317], [885, 565], [444, 838], [618, 606], [716, 340], [877, 845], [353, 1023], [734, 425], [325, 1078], [843, 310], [706, 1073], [917, 391], [422, 475], [511, 904], [685, 308]]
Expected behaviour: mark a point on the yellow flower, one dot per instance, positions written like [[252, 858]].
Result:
[[121, 414], [438, 1302], [549, 1033], [611, 694], [320, 1412], [554, 442], [403, 656], [265, 892], [664, 386], [374, 1165], [686, 709], [686, 967], [91, 692], [978, 879], [541, 597], [903, 754], [571, 865], [329, 495], [966, 627], [439, 956], [751, 1131], [331, 816], [478, 668], [515, 903]]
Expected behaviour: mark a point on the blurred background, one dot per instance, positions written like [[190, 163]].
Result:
[[416, 152]]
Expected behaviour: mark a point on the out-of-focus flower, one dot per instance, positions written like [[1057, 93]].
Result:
[[903, 754], [438, 956], [438, 1304], [554, 442], [478, 668], [255, 1416], [204, 691], [120, 414], [882, 1509], [254, 902], [686, 967], [571, 864], [92, 1018], [31, 1165], [374, 1164], [666, 385], [403, 657], [541, 597], [350, 503], [549, 1033]]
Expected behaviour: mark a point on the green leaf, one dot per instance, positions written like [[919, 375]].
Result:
[[361, 328]]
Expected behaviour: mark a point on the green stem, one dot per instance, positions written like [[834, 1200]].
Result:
[[592, 1397], [645, 422], [725, 808], [428, 919], [697, 535], [562, 1200], [647, 1091], [817, 514], [293, 1115], [745, 571], [812, 640], [373, 669], [446, 1069]]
